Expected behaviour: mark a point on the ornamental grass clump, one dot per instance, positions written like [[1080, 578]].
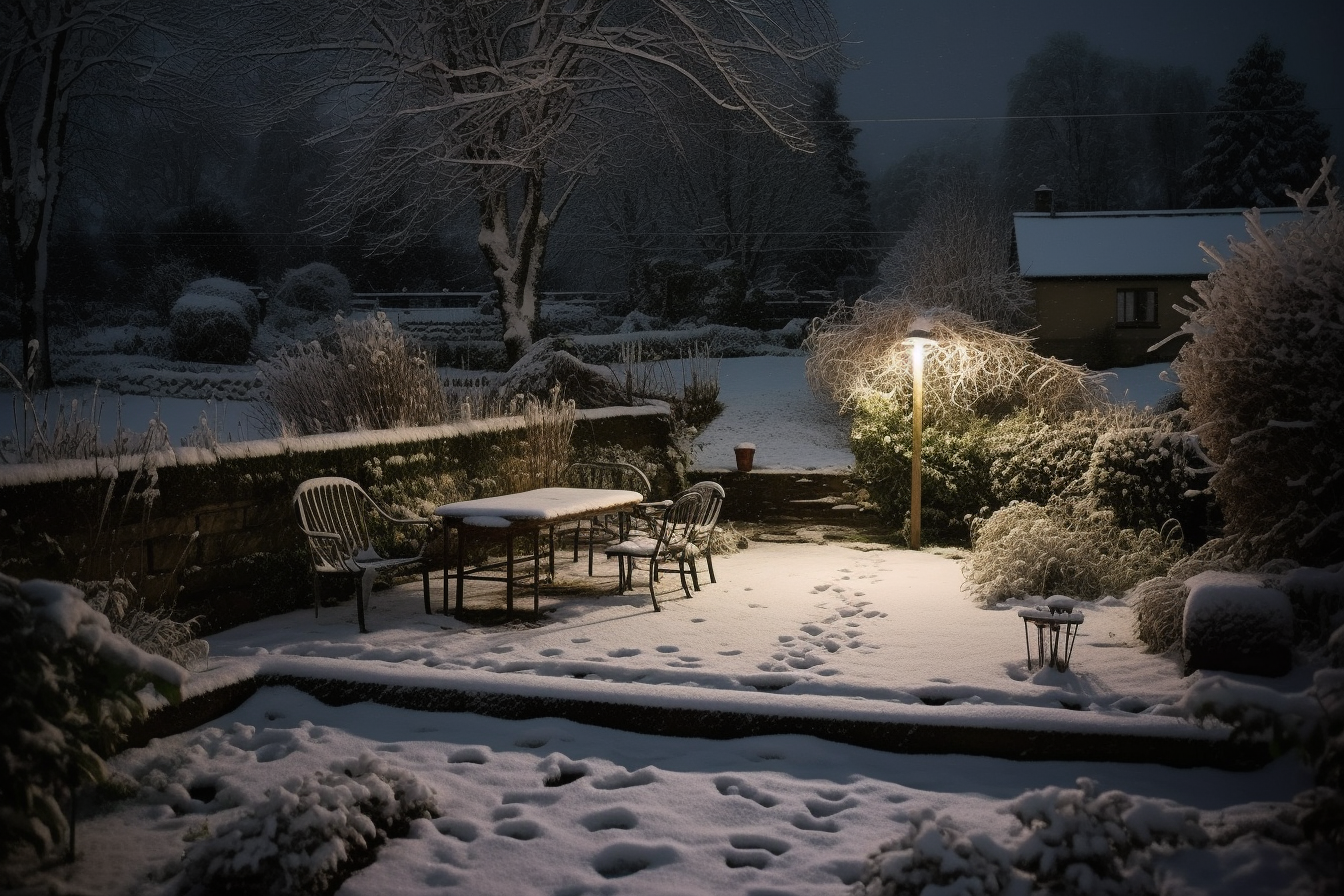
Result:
[[364, 375], [1063, 547]]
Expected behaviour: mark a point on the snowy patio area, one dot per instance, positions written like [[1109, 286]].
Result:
[[547, 806]]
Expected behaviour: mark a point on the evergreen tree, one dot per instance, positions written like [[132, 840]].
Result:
[[848, 239], [1263, 137]]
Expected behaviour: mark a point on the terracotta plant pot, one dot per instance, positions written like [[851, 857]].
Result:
[[745, 454]]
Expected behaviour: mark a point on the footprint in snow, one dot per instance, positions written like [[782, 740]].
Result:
[[622, 652], [667, 648], [552, 651], [502, 648], [819, 588]]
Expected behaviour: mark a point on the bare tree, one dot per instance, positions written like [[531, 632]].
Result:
[[958, 254], [508, 103], [58, 58]]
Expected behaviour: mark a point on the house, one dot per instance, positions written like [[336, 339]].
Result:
[[1106, 282]]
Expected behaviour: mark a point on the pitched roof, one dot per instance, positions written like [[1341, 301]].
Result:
[[1130, 244]]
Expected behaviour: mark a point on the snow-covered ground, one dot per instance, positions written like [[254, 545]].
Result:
[[814, 630], [819, 630]]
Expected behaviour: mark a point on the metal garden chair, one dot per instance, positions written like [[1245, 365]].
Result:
[[334, 515], [670, 543], [604, 529]]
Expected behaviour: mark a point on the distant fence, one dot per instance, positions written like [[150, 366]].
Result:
[[372, 301]]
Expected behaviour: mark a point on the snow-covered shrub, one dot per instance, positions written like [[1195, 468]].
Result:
[[308, 835], [934, 855], [540, 459], [1062, 547], [69, 690], [229, 289], [1149, 473], [210, 329], [166, 282], [1159, 602], [1037, 457], [365, 375], [1066, 840], [153, 630], [547, 364], [315, 287], [1263, 374], [1082, 841], [1233, 622], [954, 460]]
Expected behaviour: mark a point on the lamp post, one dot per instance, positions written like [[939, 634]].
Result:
[[919, 336]]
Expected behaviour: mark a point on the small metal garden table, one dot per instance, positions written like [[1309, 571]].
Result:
[[1055, 622]]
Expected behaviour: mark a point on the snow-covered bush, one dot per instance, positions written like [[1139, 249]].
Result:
[[310, 834], [166, 282], [1150, 473], [974, 377], [151, 629], [69, 690], [210, 329], [1065, 546], [958, 254], [317, 287], [934, 855], [1037, 457], [1082, 841], [1233, 622], [547, 364], [229, 289], [1065, 840], [954, 460], [1159, 602], [1263, 374], [365, 375]]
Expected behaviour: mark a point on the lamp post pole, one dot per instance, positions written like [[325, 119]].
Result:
[[916, 477], [920, 335]]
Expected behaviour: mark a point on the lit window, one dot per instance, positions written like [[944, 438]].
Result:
[[1136, 307]]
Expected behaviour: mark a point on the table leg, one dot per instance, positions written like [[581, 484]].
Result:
[[536, 572], [508, 574], [461, 565]]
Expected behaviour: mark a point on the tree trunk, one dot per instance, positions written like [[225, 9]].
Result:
[[515, 251]]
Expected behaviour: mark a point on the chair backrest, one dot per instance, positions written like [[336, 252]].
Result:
[[711, 495], [677, 524], [339, 507], [605, 474]]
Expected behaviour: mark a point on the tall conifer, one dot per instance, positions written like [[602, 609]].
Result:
[[1263, 137]]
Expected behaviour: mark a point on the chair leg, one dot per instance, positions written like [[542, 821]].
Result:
[[709, 562], [365, 584], [695, 574], [681, 568], [424, 574], [317, 594], [653, 567]]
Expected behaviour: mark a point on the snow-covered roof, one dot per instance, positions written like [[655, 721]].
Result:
[[1130, 244]]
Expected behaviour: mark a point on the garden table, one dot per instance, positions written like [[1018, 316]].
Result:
[[521, 514]]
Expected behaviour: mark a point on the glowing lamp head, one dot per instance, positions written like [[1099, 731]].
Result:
[[920, 333]]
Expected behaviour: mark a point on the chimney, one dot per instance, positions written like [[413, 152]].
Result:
[[1045, 199]]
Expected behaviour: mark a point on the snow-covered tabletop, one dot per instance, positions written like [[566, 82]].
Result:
[[543, 505], [521, 513]]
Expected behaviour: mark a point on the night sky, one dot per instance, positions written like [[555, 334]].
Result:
[[954, 58]]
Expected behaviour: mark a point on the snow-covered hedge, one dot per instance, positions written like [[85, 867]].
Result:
[[309, 835], [210, 329], [1263, 374], [165, 283], [315, 287], [229, 289], [69, 690]]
